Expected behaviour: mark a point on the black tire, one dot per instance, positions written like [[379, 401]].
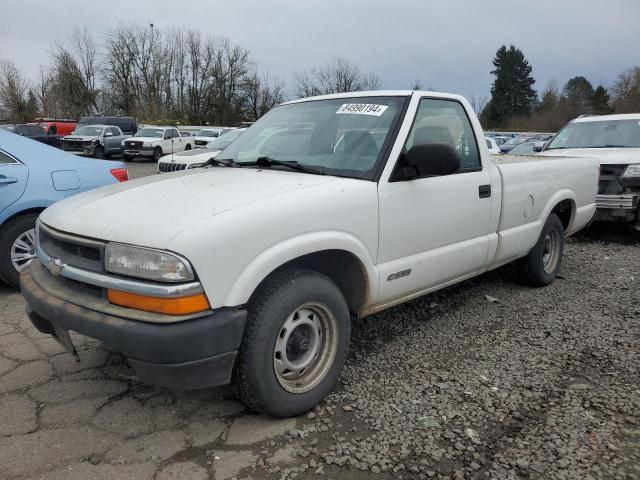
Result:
[[98, 152], [157, 153], [187, 147], [270, 308], [8, 235], [531, 269]]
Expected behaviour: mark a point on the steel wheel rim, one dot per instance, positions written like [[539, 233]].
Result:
[[305, 347], [551, 251], [23, 250]]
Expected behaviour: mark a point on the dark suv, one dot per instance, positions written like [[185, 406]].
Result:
[[128, 125]]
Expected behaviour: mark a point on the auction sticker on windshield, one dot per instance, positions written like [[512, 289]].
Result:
[[362, 109]]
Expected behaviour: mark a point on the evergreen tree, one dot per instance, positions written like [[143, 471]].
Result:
[[511, 92], [31, 110], [579, 91], [600, 101]]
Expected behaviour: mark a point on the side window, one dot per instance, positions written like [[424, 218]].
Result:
[[175, 133], [115, 131], [167, 135], [5, 159], [445, 121]]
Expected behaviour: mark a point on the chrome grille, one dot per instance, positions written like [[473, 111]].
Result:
[[133, 144], [170, 167], [78, 252], [625, 202], [73, 145], [201, 142]]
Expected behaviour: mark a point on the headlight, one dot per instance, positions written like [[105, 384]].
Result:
[[632, 171], [196, 165], [147, 144], [146, 263]]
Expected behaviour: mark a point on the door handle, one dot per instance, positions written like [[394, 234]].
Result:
[[7, 180], [484, 191]]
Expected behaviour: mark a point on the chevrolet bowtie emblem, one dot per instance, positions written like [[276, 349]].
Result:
[[55, 266]]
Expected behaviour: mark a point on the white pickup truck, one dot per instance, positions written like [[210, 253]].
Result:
[[154, 142], [325, 209]]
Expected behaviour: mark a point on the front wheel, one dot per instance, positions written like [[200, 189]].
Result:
[[157, 153], [295, 343], [541, 266], [17, 247], [187, 146], [98, 152]]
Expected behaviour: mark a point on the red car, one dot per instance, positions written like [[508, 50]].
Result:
[[56, 127]]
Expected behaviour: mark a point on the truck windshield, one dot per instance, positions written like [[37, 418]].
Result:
[[207, 133], [88, 131], [344, 137], [150, 132], [224, 140], [598, 134]]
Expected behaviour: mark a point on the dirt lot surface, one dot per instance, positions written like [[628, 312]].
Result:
[[489, 379]]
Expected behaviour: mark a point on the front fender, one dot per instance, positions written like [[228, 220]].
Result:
[[277, 255]]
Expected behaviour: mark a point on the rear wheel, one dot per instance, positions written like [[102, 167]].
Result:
[[17, 247], [543, 263], [295, 343]]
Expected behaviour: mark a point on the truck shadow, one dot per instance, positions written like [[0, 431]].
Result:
[[617, 233]]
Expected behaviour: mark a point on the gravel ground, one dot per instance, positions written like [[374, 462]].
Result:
[[488, 379]]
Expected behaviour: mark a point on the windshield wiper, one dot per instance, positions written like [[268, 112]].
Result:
[[225, 162], [293, 165]]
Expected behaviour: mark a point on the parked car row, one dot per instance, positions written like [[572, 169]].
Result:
[[32, 177]]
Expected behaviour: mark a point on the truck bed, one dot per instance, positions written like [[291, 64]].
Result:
[[533, 184]]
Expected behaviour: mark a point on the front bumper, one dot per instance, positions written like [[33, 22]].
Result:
[[137, 152], [617, 208], [194, 353]]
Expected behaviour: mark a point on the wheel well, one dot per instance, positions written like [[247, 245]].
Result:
[[565, 210], [23, 212], [343, 268]]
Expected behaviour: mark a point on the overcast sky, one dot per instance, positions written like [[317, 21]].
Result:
[[447, 44]]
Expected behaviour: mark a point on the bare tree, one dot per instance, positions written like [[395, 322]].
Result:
[[337, 75], [417, 84], [261, 93], [14, 93], [75, 71], [478, 102], [118, 70], [44, 92], [626, 91]]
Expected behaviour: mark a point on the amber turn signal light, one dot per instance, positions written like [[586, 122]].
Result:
[[167, 306]]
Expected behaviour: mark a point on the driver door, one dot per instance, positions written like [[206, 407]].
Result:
[[435, 230]]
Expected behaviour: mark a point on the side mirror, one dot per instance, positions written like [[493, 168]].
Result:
[[538, 146], [428, 160]]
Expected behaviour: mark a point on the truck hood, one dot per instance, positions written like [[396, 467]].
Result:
[[150, 211], [607, 156], [188, 157]]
